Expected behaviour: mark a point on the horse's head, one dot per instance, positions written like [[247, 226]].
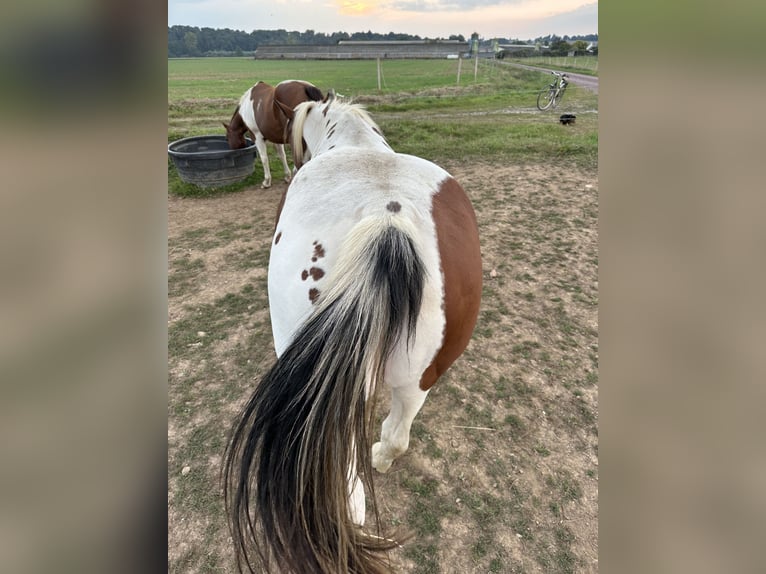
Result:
[[235, 131]]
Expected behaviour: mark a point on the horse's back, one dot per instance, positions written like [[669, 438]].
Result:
[[293, 92], [255, 107], [321, 209]]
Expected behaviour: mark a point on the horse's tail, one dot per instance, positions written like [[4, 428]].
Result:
[[286, 469]]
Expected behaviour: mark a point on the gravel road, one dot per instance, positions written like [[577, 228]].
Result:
[[589, 82]]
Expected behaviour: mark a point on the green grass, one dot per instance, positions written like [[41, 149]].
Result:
[[420, 108], [215, 78]]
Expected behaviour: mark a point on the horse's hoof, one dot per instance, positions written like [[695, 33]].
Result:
[[379, 462], [265, 184]]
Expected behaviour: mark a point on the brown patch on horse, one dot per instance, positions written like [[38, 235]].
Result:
[[313, 294], [460, 254], [394, 206], [280, 206], [277, 238], [304, 275], [295, 92], [260, 85], [269, 116], [318, 251], [236, 130], [316, 273]]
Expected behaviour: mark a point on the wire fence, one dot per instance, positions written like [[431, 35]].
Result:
[[471, 71]]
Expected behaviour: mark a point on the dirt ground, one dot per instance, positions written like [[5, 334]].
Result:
[[502, 470]]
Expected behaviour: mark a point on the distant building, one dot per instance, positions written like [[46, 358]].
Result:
[[504, 50], [364, 49]]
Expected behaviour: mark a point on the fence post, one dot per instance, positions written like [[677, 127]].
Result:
[[378, 73], [459, 65], [475, 66]]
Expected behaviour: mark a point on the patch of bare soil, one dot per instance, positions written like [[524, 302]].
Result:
[[502, 470]]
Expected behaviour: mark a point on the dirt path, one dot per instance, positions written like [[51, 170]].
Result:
[[502, 471], [582, 80]]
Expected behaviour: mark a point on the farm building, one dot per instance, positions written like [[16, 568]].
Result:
[[503, 50], [362, 50]]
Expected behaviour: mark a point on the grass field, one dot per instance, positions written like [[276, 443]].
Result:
[[502, 471], [421, 108]]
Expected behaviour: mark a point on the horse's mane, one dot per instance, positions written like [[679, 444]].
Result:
[[302, 111]]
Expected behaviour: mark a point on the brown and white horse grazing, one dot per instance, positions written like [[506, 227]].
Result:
[[375, 277], [259, 113]]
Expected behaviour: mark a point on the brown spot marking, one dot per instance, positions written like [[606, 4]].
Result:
[[316, 273], [313, 294], [324, 111], [394, 206], [305, 274], [460, 255], [277, 238], [279, 207], [332, 132], [318, 251]]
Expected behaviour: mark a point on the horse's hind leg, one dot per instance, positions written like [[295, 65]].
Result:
[[260, 145], [283, 157], [406, 402]]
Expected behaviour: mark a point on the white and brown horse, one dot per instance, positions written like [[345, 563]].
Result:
[[259, 113], [375, 277]]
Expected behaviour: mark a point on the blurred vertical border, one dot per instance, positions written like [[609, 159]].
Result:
[[83, 287], [682, 280], [83, 200]]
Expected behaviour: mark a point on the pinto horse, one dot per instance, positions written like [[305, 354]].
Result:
[[259, 113], [375, 277]]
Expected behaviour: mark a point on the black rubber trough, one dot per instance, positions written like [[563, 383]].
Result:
[[207, 161]]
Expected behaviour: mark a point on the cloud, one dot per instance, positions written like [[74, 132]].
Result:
[[427, 18], [352, 8], [444, 5]]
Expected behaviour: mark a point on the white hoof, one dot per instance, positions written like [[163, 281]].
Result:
[[266, 184], [379, 462]]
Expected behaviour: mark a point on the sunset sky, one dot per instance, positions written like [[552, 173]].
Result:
[[523, 19]]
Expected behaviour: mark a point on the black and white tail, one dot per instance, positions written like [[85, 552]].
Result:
[[286, 469]]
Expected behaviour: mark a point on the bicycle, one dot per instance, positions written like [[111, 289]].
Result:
[[552, 95]]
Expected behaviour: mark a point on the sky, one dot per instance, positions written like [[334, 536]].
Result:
[[522, 19]]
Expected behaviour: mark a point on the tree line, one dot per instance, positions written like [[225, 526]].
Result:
[[191, 41], [184, 41]]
